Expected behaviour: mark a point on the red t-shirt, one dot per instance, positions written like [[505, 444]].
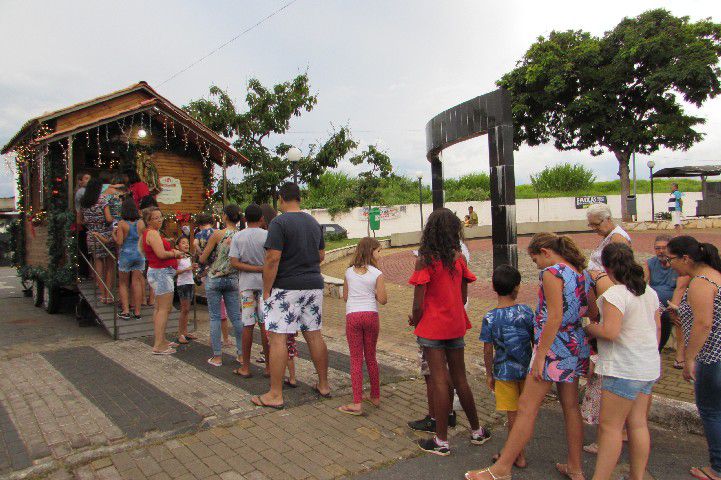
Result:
[[153, 260], [444, 316], [140, 190]]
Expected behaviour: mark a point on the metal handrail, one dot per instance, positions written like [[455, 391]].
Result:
[[95, 291]]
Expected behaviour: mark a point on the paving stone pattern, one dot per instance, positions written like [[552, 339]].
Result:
[[52, 416], [311, 441], [204, 393], [133, 404], [13, 455], [196, 355]]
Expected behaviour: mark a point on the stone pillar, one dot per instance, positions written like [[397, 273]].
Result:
[[503, 195], [437, 181]]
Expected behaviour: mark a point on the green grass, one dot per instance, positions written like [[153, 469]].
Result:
[[333, 244], [614, 188]]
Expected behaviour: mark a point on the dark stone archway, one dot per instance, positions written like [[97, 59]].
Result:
[[488, 114]]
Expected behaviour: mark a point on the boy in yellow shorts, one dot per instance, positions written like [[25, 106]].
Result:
[[507, 333]]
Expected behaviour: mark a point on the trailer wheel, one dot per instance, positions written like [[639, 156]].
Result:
[[38, 288], [51, 300]]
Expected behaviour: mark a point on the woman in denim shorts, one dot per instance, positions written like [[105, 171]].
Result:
[[162, 263], [131, 262], [628, 360]]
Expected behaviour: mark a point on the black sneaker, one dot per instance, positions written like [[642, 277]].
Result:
[[426, 424], [429, 445], [481, 437], [452, 419], [123, 316], [136, 317]]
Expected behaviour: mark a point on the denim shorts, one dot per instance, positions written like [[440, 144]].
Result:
[[161, 280], [449, 344], [628, 389], [129, 263], [185, 292]]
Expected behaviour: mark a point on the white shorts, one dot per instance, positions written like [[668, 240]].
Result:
[[251, 307], [288, 311], [676, 217]]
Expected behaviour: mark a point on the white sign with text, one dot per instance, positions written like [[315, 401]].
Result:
[[171, 191]]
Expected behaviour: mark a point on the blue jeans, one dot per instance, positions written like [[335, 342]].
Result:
[[227, 289], [708, 402]]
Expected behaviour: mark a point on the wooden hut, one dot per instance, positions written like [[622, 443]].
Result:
[[133, 128]]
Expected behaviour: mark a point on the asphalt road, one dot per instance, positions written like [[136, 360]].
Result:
[[672, 455]]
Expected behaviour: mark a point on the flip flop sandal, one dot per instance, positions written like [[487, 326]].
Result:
[[368, 400], [286, 381], [190, 336], [215, 364], [591, 448], [679, 365], [348, 411], [258, 402], [324, 395], [167, 351], [242, 375], [488, 471], [180, 342], [700, 470], [563, 470]]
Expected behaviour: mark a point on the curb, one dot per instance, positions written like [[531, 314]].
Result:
[[675, 415]]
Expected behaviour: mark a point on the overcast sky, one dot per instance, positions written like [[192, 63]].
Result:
[[382, 67]]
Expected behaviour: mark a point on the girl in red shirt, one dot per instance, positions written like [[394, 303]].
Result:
[[441, 282]]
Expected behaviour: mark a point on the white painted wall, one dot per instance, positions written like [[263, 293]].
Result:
[[407, 217]]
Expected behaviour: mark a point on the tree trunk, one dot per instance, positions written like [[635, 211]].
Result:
[[623, 174]]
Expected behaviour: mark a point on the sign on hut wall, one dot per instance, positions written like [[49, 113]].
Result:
[[171, 191]]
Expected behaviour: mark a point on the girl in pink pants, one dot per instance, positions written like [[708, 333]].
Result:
[[364, 288]]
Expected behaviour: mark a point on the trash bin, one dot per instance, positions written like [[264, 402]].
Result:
[[374, 216], [631, 204]]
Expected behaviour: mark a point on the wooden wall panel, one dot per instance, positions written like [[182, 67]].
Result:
[[36, 246], [96, 112], [189, 171]]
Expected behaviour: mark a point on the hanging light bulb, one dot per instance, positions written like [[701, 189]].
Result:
[[142, 133]]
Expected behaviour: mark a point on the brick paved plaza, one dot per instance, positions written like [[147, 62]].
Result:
[[74, 404]]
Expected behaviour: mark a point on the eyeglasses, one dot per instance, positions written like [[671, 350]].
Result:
[[670, 258]]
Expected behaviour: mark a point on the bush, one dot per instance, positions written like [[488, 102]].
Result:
[[335, 236], [471, 187], [565, 177]]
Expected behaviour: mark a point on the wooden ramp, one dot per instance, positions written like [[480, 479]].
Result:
[[124, 329]]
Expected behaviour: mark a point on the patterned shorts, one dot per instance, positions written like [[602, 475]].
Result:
[[251, 307], [288, 311]]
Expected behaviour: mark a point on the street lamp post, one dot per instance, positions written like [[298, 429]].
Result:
[[650, 165], [419, 176], [294, 155]]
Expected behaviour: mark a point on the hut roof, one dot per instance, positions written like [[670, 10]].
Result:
[[151, 102]]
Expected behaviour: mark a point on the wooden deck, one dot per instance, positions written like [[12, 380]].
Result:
[[125, 329]]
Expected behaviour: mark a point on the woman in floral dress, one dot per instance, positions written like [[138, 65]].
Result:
[[560, 356], [98, 221]]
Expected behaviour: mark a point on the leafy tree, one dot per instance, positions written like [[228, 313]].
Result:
[[619, 92], [268, 111], [367, 191]]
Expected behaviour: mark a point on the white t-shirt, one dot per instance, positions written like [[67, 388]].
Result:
[[634, 354], [362, 290], [594, 263], [185, 278]]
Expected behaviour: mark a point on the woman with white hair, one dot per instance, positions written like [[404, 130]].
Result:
[[600, 221]]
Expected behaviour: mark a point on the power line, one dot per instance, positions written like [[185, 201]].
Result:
[[258, 23]]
